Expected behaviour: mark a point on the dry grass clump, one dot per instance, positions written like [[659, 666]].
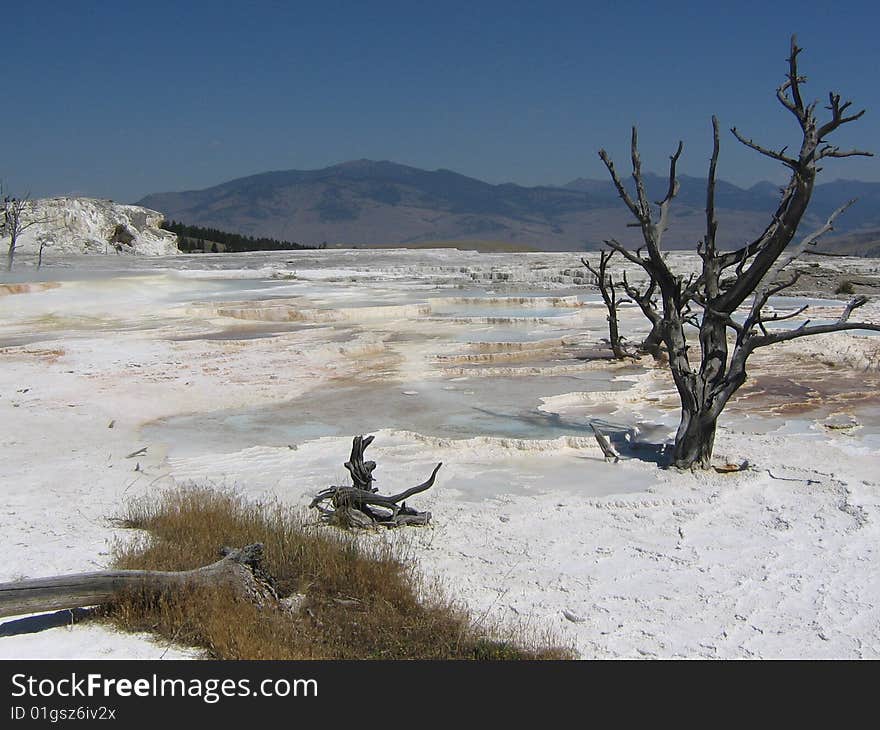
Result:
[[361, 601]]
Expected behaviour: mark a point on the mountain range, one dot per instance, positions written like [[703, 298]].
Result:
[[370, 203]]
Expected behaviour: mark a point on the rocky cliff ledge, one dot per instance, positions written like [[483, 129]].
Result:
[[92, 226]]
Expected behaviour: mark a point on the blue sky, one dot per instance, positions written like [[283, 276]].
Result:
[[123, 99]]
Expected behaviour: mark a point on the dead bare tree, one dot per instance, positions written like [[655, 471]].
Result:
[[13, 222], [646, 300], [709, 299], [608, 290], [44, 242]]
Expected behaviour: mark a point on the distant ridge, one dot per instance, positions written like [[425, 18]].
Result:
[[375, 203]]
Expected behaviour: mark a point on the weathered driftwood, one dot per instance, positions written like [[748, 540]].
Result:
[[238, 568], [361, 471], [360, 505]]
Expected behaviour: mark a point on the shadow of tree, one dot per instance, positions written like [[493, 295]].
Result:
[[646, 442], [43, 621], [638, 442]]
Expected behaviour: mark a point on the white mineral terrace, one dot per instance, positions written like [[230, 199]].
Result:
[[253, 372]]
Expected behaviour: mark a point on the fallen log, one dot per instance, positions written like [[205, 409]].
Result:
[[240, 569], [356, 506]]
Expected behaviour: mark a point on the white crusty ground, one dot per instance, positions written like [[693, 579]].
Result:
[[673, 565]]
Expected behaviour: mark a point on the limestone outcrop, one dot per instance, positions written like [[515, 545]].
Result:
[[93, 226]]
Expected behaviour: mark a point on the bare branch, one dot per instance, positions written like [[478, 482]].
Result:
[[645, 301], [763, 293], [782, 317], [854, 303], [671, 192], [603, 280], [771, 291], [783, 98], [838, 117], [673, 188], [636, 294], [755, 317], [407, 493], [807, 330], [740, 256], [813, 238], [627, 254], [637, 177], [795, 80], [711, 220], [621, 190], [641, 210], [832, 151], [784, 159]]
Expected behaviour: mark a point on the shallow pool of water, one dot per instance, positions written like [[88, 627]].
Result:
[[450, 408]]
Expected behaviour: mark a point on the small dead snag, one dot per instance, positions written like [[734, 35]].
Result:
[[608, 450], [360, 505], [608, 290]]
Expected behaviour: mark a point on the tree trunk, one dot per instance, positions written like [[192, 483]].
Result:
[[614, 336], [695, 437], [694, 440], [651, 344], [12, 227]]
